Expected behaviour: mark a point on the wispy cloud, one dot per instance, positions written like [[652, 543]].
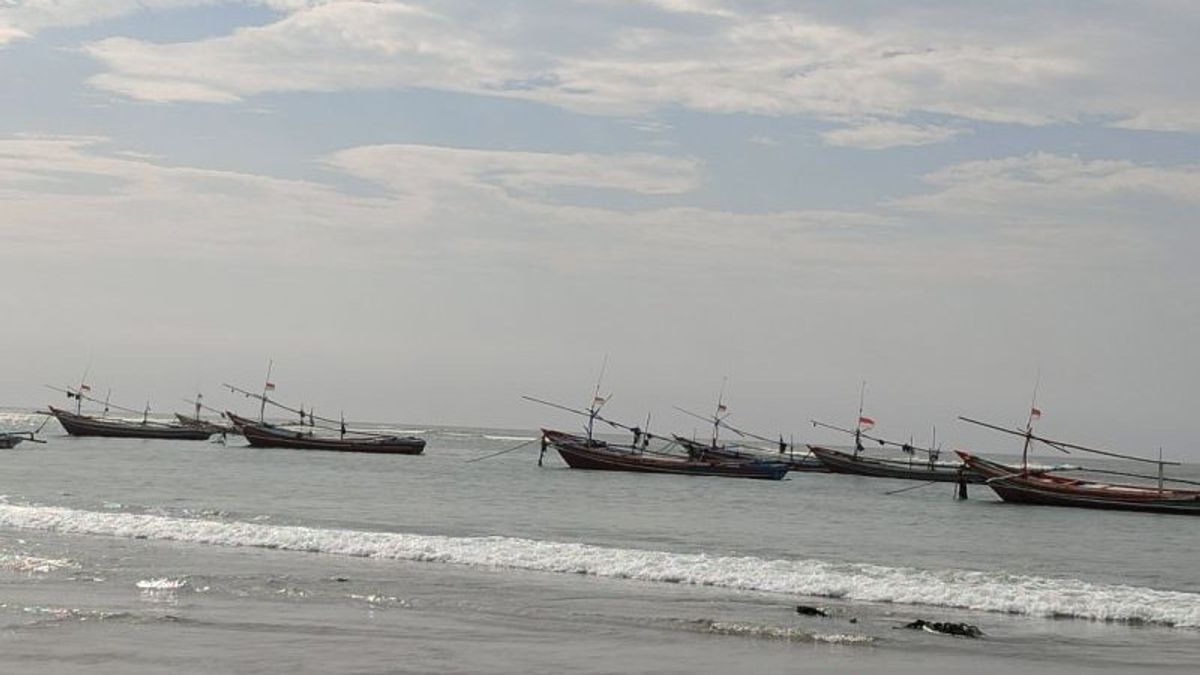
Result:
[[879, 135], [729, 60]]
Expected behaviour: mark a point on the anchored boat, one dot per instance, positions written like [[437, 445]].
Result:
[[304, 436], [1046, 485]]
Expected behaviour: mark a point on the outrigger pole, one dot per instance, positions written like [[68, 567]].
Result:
[[312, 417], [80, 397], [1063, 446]]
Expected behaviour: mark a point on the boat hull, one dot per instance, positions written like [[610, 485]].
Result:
[[579, 453], [843, 462], [1049, 490], [9, 441], [211, 427], [262, 435], [83, 425]]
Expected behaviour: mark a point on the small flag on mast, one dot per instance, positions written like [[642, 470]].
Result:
[[721, 408], [84, 387], [865, 423], [270, 386], [599, 400], [1035, 414]]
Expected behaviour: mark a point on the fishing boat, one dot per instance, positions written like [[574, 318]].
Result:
[[11, 439], [77, 424], [905, 467], [581, 452], [784, 452], [837, 461], [197, 421], [1044, 485], [304, 436], [588, 452], [805, 463], [266, 435]]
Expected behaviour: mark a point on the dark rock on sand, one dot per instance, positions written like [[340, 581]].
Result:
[[946, 628]]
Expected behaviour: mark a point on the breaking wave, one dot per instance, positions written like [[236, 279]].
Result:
[[985, 591]]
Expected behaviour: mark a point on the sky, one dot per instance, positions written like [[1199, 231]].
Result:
[[422, 210]]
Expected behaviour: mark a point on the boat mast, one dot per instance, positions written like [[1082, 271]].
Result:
[[267, 386], [1034, 414], [720, 411], [597, 401], [862, 394], [83, 386]]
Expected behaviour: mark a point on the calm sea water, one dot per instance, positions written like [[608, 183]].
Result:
[[195, 557]]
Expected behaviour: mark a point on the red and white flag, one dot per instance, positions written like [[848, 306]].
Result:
[[721, 409], [598, 401], [270, 386], [1034, 414], [84, 387], [865, 423]]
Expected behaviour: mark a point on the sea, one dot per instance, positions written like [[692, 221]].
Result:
[[148, 556]]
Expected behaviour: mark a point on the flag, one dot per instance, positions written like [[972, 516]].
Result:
[[865, 423], [598, 401], [721, 408], [84, 387], [1034, 414], [270, 386]]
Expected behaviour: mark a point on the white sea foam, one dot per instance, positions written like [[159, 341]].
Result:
[[161, 584], [34, 565], [510, 438], [987, 591], [785, 633]]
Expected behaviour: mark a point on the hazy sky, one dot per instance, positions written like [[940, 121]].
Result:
[[422, 210]]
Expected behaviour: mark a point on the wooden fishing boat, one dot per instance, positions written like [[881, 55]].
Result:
[[262, 434], [265, 435], [1041, 487], [211, 427], [907, 467], [806, 463], [197, 420], [11, 439], [880, 467], [1025, 484], [580, 452], [77, 424]]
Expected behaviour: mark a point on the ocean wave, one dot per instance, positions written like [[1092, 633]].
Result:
[[984, 591]]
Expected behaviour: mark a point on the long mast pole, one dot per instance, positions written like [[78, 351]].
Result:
[[597, 402], [262, 408], [82, 387], [720, 409], [862, 395], [1029, 426]]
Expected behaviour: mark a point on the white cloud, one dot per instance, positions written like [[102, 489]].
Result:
[[879, 135], [403, 167], [23, 18], [1043, 181], [756, 62]]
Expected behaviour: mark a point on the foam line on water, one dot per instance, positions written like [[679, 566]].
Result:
[[986, 591]]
